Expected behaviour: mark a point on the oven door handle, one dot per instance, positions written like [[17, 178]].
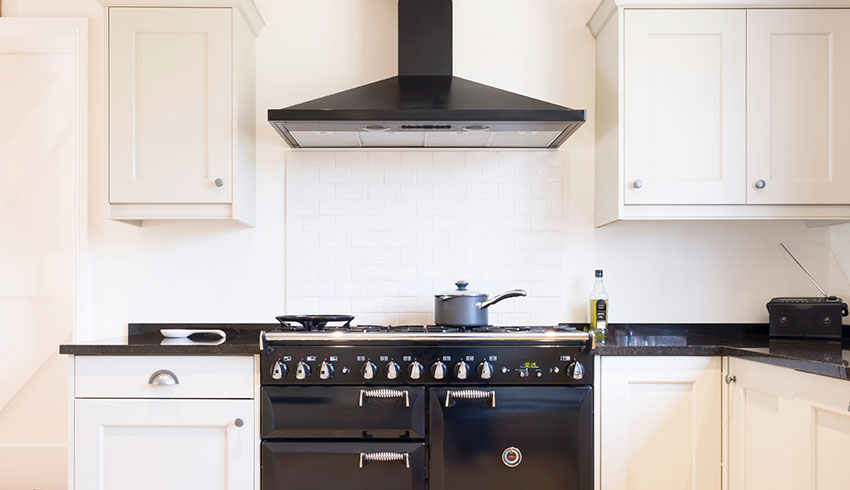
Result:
[[385, 457], [385, 394], [471, 395]]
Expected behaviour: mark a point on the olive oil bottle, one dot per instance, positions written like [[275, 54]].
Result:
[[598, 310]]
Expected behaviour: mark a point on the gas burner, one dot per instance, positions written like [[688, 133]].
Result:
[[312, 322]]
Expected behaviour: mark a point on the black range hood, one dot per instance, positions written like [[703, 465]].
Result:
[[425, 106]]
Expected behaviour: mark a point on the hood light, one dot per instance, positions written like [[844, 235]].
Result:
[[476, 127], [376, 128]]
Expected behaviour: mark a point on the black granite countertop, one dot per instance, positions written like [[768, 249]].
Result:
[[747, 341], [146, 339]]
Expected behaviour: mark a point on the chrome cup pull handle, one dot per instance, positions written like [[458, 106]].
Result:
[[163, 377], [471, 395], [385, 394], [384, 457]]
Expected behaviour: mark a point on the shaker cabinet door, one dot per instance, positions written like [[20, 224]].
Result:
[[685, 107], [140, 444], [170, 105], [761, 427], [798, 106]]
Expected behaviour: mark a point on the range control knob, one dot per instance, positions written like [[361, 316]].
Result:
[[438, 370], [575, 370], [462, 370], [369, 370], [485, 370], [523, 372], [415, 370], [326, 370], [392, 370], [279, 370], [302, 370]]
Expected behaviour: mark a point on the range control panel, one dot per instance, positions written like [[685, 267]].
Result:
[[389, 365]]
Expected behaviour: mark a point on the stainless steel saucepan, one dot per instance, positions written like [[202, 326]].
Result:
[[465, 308]]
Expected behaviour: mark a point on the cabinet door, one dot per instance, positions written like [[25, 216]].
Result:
[[660, 423], [761, 427], [164, 444], [823, 429], [798, 102], [170, 105], [685, 119]]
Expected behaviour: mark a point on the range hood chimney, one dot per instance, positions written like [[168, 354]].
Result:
[[425, 106]]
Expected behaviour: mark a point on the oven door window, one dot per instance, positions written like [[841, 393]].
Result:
[[536, 438], [343, 465]]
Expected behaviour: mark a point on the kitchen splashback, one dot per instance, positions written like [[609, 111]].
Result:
[[377, 234]]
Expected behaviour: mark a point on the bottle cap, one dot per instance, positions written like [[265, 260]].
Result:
[[598, 272]]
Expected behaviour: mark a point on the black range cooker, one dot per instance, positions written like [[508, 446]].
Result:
[[423, 407]]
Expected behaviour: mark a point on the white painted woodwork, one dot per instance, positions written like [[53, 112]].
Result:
[[761, 427], [823, 432], [198, 376], [685, 102], [164, 444], [43, 230], [181, 99], [798, 105], [660, 423], [170, 118]]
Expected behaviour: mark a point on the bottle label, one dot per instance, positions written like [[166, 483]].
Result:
[[599, 314]]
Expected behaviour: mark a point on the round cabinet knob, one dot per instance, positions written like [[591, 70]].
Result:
[[438, 370], [392, 370], [302, 370], [415, 370], [218, 182], [637, 184], [238, 422], [485, 370], [760, 184], [575, 370], [462, 370], [326, 370], [369, 370], [279, 370]]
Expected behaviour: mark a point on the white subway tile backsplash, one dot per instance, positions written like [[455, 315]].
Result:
[[378, 233]]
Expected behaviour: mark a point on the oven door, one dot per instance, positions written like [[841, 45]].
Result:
[[343, 465], [497, 438], [349, 412]]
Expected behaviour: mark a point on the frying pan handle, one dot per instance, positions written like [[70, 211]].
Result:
[[495, 299]]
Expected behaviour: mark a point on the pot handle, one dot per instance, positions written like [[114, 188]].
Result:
[[495, 299]]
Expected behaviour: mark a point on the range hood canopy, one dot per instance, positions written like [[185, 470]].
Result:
[[425, 106]]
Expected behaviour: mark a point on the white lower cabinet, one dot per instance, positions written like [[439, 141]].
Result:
[[164, 444], [176, 430], [788, 430], [761, 426], [660, 423]]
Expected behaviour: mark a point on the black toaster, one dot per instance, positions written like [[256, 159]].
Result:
[[819, 317]]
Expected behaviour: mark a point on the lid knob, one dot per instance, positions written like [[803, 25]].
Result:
[[461, 285]]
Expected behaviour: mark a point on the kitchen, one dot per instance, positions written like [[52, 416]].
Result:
[[376, 233]]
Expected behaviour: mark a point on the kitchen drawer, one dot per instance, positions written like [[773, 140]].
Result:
[[132, 377]]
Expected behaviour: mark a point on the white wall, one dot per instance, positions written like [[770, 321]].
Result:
[[208, 271]]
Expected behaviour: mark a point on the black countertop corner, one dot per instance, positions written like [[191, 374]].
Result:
[[145, 339], [745, 341]]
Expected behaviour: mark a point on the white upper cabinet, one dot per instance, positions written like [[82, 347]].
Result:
[[181, 109], [722, 110], [685, 117], [169, 105], [798, 104]]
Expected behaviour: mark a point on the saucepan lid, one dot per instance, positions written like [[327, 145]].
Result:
[[460, 291]]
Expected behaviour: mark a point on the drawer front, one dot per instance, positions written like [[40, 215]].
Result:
[[343, 412], [154, 376], [343, 465]]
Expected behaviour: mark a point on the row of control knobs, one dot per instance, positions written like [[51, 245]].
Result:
[[439, 370]]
